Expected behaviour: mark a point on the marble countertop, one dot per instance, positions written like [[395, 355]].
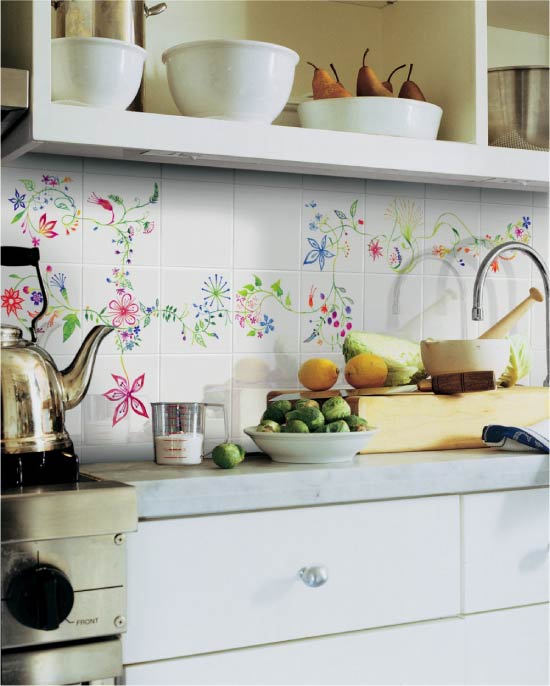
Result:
[[258, 483]]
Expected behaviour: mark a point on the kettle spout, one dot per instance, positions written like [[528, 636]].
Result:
[[76, 378]]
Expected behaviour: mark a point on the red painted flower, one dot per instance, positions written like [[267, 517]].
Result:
[[124, 311], [375, 249], [11, 301], [46, 228], [102, 202], [494, 265], [126, 394]]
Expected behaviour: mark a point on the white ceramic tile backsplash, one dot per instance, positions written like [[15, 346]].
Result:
[[222, 282]]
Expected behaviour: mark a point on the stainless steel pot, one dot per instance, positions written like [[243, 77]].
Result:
[[518, 107], [116, 19]]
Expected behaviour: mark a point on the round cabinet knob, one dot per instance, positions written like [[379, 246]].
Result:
[[40, 597], [314, 576]]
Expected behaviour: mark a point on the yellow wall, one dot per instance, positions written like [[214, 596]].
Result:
[[508, 48]]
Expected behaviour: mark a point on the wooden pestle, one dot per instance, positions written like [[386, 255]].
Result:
[[502, 328]]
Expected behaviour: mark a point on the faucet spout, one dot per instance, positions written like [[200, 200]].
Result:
[[477, 309]]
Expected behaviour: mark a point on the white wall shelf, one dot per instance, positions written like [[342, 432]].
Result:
[[153, 137], [67, 130]]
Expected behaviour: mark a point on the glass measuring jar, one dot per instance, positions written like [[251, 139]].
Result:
[[178, 431]]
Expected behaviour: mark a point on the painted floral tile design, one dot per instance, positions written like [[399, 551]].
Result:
[[43, 211]]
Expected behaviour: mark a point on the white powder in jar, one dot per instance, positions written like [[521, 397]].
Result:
[[179, 448]]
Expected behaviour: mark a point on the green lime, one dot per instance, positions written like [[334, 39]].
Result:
[[228, 455]]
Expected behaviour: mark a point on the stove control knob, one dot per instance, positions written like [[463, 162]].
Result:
[[40, 597]]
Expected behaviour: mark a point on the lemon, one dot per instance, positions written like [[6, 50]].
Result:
[[318, 374], [366, 371]]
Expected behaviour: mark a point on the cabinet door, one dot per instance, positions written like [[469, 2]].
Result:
[[508, 647], [506, 541], [426, 653], [201, 584]]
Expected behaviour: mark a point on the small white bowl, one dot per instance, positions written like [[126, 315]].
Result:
[[239, 80], [311, 448], [375, 115], [476, 355], [96, 72]]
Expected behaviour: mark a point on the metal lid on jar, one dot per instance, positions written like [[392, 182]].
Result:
[[10, 335]]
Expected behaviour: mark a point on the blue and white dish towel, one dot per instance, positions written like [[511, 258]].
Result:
[[531, 438]]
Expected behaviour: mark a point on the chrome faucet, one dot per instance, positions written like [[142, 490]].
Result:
[[477, 309]]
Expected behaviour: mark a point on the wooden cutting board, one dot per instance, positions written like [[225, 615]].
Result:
[[424, 421]]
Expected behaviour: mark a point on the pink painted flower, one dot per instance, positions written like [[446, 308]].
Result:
[[124, 310], [11, 301], [375, 249], [46, 228], [127, 395], [49, 180], [35, 242]]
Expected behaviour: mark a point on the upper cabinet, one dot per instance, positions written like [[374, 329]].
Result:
[[451, 44]]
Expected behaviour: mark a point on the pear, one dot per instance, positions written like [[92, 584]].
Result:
[[368, 83], [324, 86], [410, 89], [387, 83]]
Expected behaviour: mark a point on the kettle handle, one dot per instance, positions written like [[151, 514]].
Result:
[[14, 256]]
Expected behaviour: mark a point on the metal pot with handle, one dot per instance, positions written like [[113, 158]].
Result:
[[116, 19]]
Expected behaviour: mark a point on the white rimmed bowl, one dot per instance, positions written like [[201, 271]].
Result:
[[464, 355], [96, 72], [375, 115], [239, 80], [311, 448]]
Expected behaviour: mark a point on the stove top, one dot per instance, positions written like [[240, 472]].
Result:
[[91, 506]]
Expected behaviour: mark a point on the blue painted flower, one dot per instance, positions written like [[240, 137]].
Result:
[[58, 281], [37, 298], [267, 324], [18, 200], [313, 226], [526, 222], [312, 203], [319, 252]]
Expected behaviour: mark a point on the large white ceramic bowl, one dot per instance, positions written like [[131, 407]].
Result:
[[376, 115], [240, 80], [475, 355], [311, 448], [96, 72]]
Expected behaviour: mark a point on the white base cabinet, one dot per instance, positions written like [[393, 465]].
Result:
[[423, 653], [436, 590], [493, 648]]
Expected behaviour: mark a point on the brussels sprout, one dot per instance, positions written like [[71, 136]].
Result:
[[295, 426], [276, 411], [335, 408], [354, 422], [228, 455], [309, 415], [338, 426], [306, 402], [268, 426]]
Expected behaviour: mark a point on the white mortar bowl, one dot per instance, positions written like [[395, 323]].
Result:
[[375, 115], [240, 80], [96, 72], [476, 355]]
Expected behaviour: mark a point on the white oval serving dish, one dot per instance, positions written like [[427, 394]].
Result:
[[239, 80], [374, 115], [96, 72], [311, 448]]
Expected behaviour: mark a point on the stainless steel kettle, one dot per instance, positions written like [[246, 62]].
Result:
[[35, 394]]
